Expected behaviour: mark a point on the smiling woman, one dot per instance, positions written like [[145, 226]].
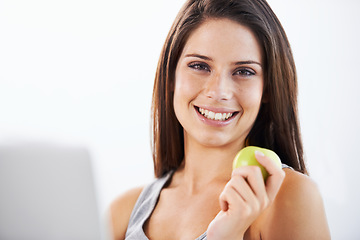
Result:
[[225, 80]]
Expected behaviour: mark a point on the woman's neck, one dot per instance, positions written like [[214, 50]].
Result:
[[204, 165]]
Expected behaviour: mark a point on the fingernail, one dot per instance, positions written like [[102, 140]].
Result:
[[257, 152]]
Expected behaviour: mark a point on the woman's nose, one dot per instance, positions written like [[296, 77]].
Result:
[[219, 87]]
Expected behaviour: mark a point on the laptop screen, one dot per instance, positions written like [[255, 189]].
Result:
[[47, 193]]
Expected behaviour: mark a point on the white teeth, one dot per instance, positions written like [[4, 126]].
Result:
[[211, 115], [215, 116], [218, 116]]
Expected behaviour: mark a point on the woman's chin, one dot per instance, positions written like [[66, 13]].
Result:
[[213, 141]]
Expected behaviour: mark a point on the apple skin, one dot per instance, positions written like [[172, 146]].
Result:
[[246, 157]]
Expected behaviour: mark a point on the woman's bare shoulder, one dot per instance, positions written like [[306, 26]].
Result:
[[120, 211], [297, 211]]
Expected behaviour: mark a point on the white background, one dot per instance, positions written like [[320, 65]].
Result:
[[82, 72]]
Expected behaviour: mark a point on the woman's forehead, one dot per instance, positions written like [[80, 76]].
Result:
[[223, 38]]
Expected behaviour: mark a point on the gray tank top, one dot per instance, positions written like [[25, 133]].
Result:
[[145, 206]]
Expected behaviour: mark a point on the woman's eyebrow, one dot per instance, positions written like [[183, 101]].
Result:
[[248, 62], [198, 56], [209, 59]]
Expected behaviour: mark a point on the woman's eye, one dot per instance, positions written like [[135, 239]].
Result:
[[245, 72], [199, 66]]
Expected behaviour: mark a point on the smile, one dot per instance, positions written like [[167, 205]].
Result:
[[214, 115]]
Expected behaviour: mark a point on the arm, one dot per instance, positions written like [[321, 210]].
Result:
[[120, 211], [297, 212]]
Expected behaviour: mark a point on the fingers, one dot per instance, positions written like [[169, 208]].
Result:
[[252, 187], [246, 196], [276, 175], [230, 197], [236, 192], [247, 185]]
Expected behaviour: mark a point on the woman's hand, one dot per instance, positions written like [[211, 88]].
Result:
[[244, 198]]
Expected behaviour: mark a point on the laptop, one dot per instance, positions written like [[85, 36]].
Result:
[[47, 193]]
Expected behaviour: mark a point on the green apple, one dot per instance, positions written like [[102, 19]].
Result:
[[246, 157]]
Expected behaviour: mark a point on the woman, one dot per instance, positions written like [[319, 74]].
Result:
[[226, 79]]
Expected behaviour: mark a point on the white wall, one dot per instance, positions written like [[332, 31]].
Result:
[[82, 71]]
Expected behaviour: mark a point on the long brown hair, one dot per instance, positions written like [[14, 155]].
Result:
[[276, 126]]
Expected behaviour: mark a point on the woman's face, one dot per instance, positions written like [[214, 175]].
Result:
[[219, 83]]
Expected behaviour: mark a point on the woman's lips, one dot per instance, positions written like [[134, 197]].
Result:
[[217, 117]]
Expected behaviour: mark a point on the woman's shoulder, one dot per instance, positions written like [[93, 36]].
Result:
[[297, 190], [295, 185], [123, 206], [120, 211], [297, 211]]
